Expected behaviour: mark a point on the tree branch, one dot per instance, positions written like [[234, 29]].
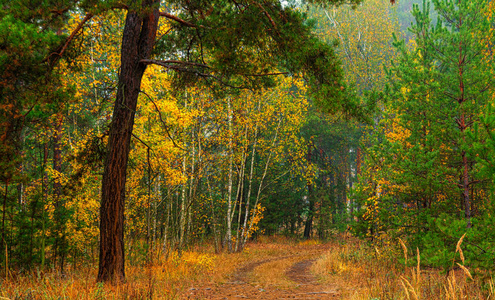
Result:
[[166, 63], [266, 74], [61, 49], [267, 15], [161, 119], [177, 19]]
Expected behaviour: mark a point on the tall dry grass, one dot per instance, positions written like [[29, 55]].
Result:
[[167, 278], [348, 265], [365, 272]]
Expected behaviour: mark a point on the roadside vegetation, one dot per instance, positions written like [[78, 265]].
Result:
[[344, 264]]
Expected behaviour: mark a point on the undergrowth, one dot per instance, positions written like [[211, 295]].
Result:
[[394, 272], [357, 270]]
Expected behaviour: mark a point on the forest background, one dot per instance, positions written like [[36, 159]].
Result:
[[222, 164]]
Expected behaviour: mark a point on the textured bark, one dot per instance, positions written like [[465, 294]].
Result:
[[137, 42]]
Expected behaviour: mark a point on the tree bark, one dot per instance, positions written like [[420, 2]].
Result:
[[229, 200], [137, 42]]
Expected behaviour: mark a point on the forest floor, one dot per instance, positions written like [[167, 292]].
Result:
[[343, 268], [279, 271], [269, 268]]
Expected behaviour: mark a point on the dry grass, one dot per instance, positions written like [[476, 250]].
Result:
[[359, 272], [166, 279], [270, 273], [371, 273], [286, 252]]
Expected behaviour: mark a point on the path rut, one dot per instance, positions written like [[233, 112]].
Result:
[[242, 286]]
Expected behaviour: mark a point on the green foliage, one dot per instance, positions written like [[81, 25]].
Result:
[[439, 244], [424, 180]]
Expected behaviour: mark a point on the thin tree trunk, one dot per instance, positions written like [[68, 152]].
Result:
[[137, 43], [308, 227], [155, 214], [57, 194], [167, 225], [463, 126], [43, 201], [183, 207], [260, 187], [240, 195], [213, 218], [231, 161], [192, 183], [251, 171], [148, 210], [4, 242]]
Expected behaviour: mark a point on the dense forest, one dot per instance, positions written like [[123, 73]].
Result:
[[134, 130]]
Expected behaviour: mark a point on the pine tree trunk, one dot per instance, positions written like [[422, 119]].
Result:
[[137, 42]]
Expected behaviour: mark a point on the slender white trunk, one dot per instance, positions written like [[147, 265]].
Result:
[[240, 190], [248, 197], [183, 206], [260, 187], [231, 163], [167, 225]]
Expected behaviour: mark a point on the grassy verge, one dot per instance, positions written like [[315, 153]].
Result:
[[370, 273], [356, 270], [167, 278]]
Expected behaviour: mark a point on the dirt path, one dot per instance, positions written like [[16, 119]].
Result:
[[280, 277]]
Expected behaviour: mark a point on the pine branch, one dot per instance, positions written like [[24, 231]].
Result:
[[177, 19], [61, 49]]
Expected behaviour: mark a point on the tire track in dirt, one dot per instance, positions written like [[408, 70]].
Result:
[[240, 276], [299, 272], [242, 288]]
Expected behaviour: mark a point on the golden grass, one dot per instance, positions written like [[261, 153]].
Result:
[[346, 264], [369, 273], [166, 279]]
